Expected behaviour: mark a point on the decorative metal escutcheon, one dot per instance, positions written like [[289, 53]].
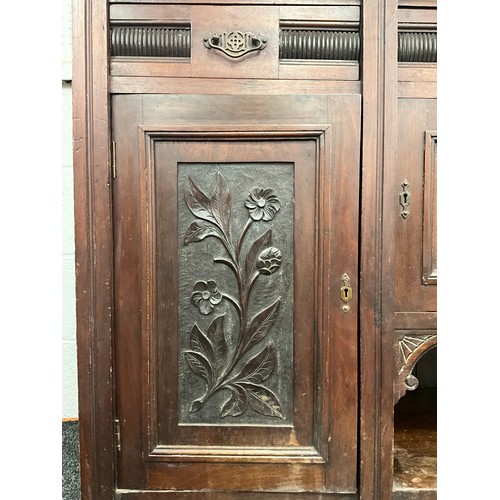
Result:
[[346, 292], [234, 43], [404, 199]]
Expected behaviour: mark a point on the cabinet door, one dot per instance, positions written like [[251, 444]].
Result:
[[235, 228], [415, 261]]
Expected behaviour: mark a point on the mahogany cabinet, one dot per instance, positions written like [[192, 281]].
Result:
[[255, 260]]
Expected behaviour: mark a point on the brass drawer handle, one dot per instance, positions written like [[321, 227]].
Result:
[[234, 43]]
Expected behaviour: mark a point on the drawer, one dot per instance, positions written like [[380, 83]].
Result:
[[266, 42]]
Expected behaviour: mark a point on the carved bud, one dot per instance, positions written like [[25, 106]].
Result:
[[269, 260]]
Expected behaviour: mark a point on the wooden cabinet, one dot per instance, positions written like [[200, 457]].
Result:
[[415, 262], [251, 249]]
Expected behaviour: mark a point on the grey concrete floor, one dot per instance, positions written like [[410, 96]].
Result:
[[70, 462]]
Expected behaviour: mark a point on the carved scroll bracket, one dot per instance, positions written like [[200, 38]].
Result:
[[409, 349], [234, 44]]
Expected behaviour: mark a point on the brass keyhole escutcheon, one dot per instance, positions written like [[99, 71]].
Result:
[[404, 199], [346, 292]]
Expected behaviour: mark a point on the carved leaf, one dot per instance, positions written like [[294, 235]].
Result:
[[259, 367], [262, 400], [221, 203], [237, 404], [200, 365], [261, 324], [200, 343], [251, 260], [198, 202], [218, 340], [198, 231]]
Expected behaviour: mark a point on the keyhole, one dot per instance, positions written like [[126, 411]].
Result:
[[405, 197], [346, 292]]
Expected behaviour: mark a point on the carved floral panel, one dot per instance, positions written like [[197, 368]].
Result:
[[235, 240]]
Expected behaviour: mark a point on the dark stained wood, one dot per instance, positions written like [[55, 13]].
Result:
[[409, 347], [93, 249], [216, 19], [429, 218], [158, 12], [150, 67], [145, 85], [415, 274], [224, 495], [388, 247], [415, 320], [379, 77], [318, 70], [203, 147], [318, 15], [348, 358], [154, 13], [343, 71], [322, 442], [416, 116]]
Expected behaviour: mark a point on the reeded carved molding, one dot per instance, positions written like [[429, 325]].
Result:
[[408, 350], [145, 41], [150, 41], [295, 43], [417, 47], [319, 44]]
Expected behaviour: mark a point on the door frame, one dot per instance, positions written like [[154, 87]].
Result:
[[94, 246]]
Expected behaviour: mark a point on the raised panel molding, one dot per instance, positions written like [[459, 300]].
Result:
[[210, 344], [429, 241]]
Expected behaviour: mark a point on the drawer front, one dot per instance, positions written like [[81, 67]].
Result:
[[233, 24]]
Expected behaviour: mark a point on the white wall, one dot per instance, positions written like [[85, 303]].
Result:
[[69, 372]]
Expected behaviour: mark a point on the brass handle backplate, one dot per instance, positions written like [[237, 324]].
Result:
[[234, 43], [346, 292]]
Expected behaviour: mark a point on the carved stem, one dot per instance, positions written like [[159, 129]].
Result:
[[253, 279], [228, 263], [234, 302], [240, 241], [229, 248], [243, 326], [241, 307]]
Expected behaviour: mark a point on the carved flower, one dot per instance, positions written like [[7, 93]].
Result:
[[262, 204], [269, 260], [206, 296]]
